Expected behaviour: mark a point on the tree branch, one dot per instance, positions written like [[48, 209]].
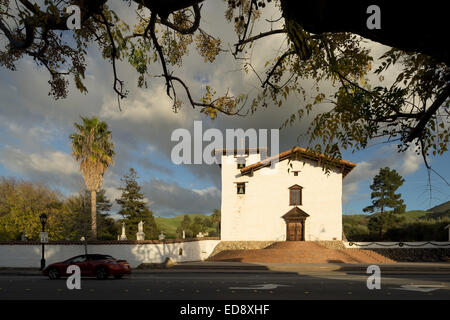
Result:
[[277, 64], [259, 36], [151, 28], [206, 105], [189, 30], [117, 81], [418, 130]]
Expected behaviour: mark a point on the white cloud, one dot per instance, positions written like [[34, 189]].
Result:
[[409, 163], [54, 168], [172, 199], [56, 162], [148, 106], [363, 171], [112, 193], [206, 191]]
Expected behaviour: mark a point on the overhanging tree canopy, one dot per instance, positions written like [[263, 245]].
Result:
[[325, 44]]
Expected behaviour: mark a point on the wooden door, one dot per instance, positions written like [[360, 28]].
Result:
[[295, 231]]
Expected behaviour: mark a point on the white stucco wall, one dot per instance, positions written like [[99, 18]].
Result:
[[29, 256], [257, 215]]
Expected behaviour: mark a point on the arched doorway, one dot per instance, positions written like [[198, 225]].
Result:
[[295, 224]]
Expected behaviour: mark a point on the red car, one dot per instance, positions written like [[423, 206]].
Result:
[[91, 265]]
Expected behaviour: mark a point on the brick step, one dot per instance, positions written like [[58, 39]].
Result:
[[373, 256], [301, 252], [285, 256], [307, 245]]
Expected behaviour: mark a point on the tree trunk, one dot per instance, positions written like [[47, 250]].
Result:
[[94, 214]]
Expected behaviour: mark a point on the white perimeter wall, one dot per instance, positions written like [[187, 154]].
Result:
[[257, 215], [29, 256], [406, 245]]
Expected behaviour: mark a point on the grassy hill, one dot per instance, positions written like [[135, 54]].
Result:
[[440, 211], [410, 216], [443, 207], [415, 215], [170, 225], [418, 225]]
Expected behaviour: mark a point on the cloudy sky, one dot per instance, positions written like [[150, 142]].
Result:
[[34, 129]]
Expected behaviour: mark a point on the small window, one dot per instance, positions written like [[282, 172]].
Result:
[[295, 173], [295, 195], [241, 188]]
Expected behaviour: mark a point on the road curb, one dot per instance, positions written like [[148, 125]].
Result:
[[200, 267]]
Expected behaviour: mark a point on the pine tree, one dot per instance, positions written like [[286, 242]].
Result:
[[197, 226], [384, 185], [77, 222], [134, 208]]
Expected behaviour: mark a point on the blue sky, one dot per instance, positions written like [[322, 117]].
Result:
[[34, 131], [416, 188]]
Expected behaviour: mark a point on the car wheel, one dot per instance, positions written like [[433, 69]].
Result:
[[53, 273], [118, 276], [101, 273]]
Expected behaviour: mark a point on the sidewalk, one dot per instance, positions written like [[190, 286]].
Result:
[[270, 268]]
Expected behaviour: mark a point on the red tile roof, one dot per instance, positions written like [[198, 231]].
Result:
[[346, 166]]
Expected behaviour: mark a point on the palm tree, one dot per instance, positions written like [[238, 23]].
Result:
[[93, 147]]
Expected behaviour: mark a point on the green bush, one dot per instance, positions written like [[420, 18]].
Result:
[[356, 232], [416, 227], [431, 230]]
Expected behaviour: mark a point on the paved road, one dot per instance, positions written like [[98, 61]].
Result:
[[211, 286]]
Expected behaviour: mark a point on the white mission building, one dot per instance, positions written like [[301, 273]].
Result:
[[296, 200]]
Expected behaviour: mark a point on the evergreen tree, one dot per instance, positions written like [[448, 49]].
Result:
[[384, 186], [187, 232], [179, 232], [77, 221], [134, 209], [184, 226], [186, 222], [197, 226], [215, 219], [207, 222]]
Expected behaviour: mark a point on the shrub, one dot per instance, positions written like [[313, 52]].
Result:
[[430, 230]]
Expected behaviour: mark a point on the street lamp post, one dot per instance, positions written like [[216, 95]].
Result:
[[43, 218]]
